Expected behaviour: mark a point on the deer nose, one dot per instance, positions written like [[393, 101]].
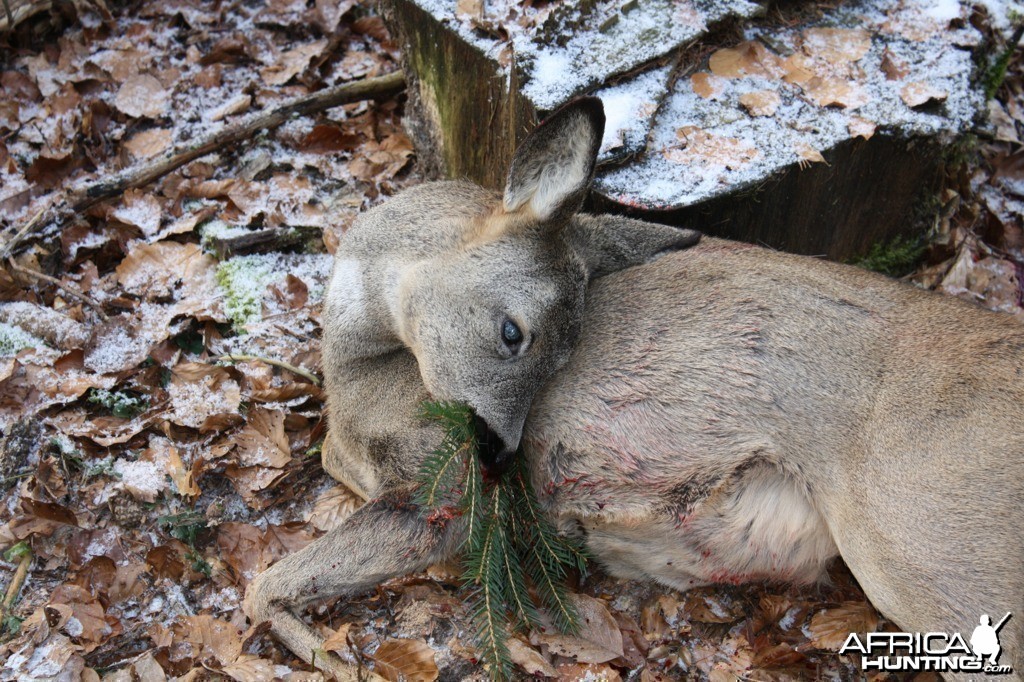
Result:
[[495, 457]]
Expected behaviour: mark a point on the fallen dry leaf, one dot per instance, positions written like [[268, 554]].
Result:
[[87, 623], [893, 68], [263, 441], [236, 105], [182, 477], [292, 62], [599, 639], [338, 640], [861, 127], [405, 660], [139, 209], [472, 8], [831, 627], [920, 93], [200, 394], [332, 507], [142, 95], [750, 58], [149, 143], [761, 102], [711, 607], [155, 270], [250, 668], [829, 92], [38, 517], [797, 69], [808, 154], [707, 85], [212, 636], [708, 149], [836, 45], [588, 672], [529, 659]]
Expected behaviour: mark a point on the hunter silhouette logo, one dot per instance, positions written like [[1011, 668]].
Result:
[[936, 651], [985, 640]]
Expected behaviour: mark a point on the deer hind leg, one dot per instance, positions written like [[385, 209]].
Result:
[[385, 538]]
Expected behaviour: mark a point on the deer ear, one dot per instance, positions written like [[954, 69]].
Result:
[[608, 244], [552, 169]]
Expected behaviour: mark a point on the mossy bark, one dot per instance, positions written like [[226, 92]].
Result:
[[468, 115]]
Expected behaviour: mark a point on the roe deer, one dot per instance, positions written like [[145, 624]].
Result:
[[709, 413]]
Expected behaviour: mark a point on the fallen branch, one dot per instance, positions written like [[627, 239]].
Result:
[[67, 289], [20, 573], [232, 357], [261, 241], [142, 174]]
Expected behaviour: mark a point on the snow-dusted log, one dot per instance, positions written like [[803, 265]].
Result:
[[819, 130]]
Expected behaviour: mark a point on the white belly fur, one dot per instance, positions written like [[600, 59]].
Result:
[[760, 526]]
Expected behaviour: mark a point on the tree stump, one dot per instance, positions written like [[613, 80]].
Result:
[[818, 130]]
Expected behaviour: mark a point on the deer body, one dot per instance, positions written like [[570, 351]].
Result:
[[717, 413], [740, 414]]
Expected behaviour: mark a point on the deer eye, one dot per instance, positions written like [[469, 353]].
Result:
[[511, 334]]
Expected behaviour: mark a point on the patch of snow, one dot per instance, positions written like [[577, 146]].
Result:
[[550, 68], [787, 621], [74, 627], [121, 347], [14, 339], [625, 41], [101, 544], [225, 599], [628, 109], [193, 401], [610, 40], [145, 215], [1003, 14], [659, 181], [174, 603], [142, 478], [944, 10], [91, 240], [48, 659]]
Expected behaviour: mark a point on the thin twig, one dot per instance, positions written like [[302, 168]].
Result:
[[77, 201], [67, 289], [233, 357], [10, 17], [17, 581], [26, 228]]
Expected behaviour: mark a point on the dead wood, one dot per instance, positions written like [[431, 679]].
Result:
[[266, 240]]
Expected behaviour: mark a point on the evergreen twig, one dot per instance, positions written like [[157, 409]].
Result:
[[509, 543]]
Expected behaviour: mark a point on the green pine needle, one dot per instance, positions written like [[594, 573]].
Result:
[[509, 543]]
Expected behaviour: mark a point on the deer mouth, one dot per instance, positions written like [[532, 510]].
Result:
[[495, 457]]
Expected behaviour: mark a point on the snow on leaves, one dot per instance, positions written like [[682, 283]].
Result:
[[778, 92]]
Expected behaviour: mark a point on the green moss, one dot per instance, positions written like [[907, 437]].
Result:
[[243, 280], [186, 526], [896, 259], [962, 151], [995, 74], [121, 404], [14, 339]]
